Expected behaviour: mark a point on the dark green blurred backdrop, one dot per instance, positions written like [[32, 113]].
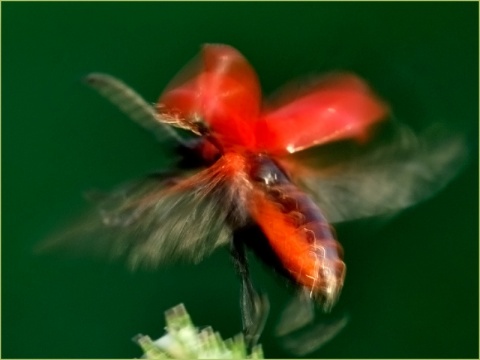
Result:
[[412, 286]]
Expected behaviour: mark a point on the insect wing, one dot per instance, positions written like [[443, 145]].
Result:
[[383, 177], [335, 107], [220, 88], [155, 221]]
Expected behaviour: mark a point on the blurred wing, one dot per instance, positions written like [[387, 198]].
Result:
[[218, 87], [335, 107], [157, 220], [382, 178], [132, 104]]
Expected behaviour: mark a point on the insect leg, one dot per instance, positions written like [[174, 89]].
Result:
[[301, 332], [315, 335], [254, 306], [297, 314]]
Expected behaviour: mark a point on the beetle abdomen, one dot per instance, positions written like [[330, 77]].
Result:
[[298, 233]]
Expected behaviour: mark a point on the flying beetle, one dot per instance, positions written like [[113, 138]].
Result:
[[317, 153]]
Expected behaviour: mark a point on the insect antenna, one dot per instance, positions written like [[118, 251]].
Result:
[[132, 104]]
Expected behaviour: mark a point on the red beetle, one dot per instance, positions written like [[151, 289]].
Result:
[[291, 166]]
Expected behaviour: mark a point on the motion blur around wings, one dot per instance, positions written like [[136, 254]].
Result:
[[318, 153]]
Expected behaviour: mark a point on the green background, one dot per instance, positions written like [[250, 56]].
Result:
[[412, 286]]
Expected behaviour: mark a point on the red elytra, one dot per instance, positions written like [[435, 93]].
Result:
[[221, 88]]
